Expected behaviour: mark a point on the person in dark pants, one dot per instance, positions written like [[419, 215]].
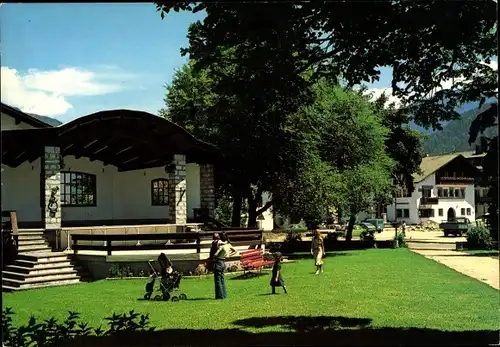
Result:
[[277, 278], [225, 249], [213, 249]]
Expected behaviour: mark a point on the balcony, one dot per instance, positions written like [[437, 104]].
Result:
[[429, 201], [456, 179], [483, 199]]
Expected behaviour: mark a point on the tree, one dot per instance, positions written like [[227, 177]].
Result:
[[439, 51], [251, 133], [353, 142], [483, 121]]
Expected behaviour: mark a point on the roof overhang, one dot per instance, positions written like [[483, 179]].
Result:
[[129, 140], [20, 116]]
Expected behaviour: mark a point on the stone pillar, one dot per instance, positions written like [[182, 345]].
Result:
[[177, 191], [51, 167], [207, 188]]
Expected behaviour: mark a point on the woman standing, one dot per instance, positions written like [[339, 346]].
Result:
[[318, 251], [225, 249]]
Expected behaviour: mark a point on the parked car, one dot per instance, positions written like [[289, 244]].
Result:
[[378, 223]]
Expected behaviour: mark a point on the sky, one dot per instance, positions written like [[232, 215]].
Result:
[[69, 60]]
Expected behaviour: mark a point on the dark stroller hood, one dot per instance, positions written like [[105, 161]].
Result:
[[164, 262]]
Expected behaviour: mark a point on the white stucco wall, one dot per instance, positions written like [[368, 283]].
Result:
[[21, 190], [9, 123], [413, 204], [267, 224], [120, 195]]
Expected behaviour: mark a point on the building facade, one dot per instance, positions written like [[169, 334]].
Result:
[[443, 191], [116, 167]]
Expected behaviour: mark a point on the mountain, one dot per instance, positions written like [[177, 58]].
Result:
[[45, 119], [455, 134]]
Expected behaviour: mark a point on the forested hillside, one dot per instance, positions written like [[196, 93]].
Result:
[[455, 134]]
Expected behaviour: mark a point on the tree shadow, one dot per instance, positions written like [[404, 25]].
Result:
[[327, 331], [248, 275], [299, 256]]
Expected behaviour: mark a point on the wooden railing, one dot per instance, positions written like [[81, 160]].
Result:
[[189, 240]]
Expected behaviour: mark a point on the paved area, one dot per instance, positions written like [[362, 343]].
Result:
[[388, 234], [484, 269]]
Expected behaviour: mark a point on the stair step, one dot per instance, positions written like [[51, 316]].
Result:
[[22, 237], [43, 257], [30, 271], [31, 248], [32, 241], [45, 265], [40, 285], [39, 280], [39, 277], [30, 233]]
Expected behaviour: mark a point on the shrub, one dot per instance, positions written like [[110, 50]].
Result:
[[367, 235], [120, 271], [52, 333], [273, 246], [400, 237], [332, 237], [293, 236], [479, 237]]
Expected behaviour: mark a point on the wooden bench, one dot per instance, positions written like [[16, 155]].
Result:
[[254, 259]]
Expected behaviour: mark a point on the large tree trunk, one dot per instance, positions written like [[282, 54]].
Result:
[[350, 227], [237, 203], [252, 213]]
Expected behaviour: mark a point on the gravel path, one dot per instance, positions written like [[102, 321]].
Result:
[[484, 269]]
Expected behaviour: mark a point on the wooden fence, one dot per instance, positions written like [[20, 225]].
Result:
[[188, 240]]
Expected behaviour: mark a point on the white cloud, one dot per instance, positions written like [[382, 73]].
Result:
[[376, 92], [46, 92]]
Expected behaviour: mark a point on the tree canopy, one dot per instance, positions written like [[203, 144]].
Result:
[[439, 51], [264, 65]]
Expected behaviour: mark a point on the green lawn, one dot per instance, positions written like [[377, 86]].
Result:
[[384, 288]]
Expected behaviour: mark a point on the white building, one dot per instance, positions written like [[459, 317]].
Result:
[[117, 167], [444, 190]]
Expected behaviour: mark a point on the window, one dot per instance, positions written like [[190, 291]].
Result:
[[426, 192], [440, 192], [440, 212], [426, 212], [469, 212], [462, 193], [451, 193], [78, 189], [445, 193], [159, 192], [458, 194], [402, 213], [462, 211]]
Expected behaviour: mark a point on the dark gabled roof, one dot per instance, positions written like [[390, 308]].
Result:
[[431, 164], [127, 139], [32, 119]]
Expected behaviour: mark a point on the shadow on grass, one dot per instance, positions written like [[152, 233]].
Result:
[[304, 255], [248, 275], [331, 331]]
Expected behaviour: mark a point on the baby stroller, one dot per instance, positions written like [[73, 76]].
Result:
[[169, 281]]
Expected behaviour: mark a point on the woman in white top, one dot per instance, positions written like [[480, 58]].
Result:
[[225, 249]]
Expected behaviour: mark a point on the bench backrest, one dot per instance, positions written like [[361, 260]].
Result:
[[252, 255]]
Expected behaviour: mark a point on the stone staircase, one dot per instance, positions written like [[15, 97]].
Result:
[[36, 266]]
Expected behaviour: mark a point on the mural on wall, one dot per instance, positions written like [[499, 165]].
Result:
[[53, 206]]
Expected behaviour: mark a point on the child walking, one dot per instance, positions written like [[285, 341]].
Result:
[[277, 279]]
